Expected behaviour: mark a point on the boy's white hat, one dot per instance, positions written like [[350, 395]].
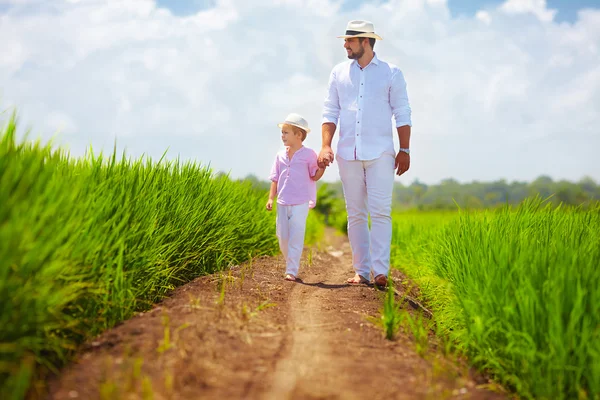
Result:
[[295, 120], [359, 28]]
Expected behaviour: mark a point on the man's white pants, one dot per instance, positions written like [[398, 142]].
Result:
[[368, 187], [291, 226]]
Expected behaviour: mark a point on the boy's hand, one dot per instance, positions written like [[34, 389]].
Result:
[[269, 205], [325, 157]]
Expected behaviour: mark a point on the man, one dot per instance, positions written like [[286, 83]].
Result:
[[363, 95]]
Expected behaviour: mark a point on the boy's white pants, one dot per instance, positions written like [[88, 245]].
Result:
[[291, 226], [368, 187]]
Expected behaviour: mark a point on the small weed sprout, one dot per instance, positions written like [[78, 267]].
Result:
[[419, 329], [194, 302], [309, 258], [166, 341], [391, 317]]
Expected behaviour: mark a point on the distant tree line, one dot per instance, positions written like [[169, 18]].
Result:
[[450, 194]]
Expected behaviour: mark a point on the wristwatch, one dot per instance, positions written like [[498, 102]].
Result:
[[407, 151]]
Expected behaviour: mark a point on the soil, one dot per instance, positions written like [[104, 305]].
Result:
[[249, 334]]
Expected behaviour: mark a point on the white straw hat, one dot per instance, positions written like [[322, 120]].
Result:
[[295, 120], [359, 28]]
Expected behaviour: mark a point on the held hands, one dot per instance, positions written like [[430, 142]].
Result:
[[270, 205], [325, 157], [402, 163]]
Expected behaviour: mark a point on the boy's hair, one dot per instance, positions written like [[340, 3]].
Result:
[[301, 131]]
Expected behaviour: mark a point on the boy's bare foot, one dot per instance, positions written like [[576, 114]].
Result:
[[357, 279], [290, 277]]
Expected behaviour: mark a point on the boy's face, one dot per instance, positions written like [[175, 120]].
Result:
[[289, 136]]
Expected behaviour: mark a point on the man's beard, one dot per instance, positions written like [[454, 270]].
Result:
[[358, 54]]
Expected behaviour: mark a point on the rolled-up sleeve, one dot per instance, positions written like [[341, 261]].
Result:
[[399, 100], [331, 108], [274, 175]]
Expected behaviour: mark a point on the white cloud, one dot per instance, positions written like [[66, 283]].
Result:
[[513, 97], [535, 7], [483, 16]]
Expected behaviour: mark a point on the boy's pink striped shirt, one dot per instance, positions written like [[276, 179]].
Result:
[[294, 183]]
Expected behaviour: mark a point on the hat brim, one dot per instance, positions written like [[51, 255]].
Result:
[[307, 130], [366, 34]]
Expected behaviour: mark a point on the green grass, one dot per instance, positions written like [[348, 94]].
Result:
[[517, 290], [315, 228], [391, 317], [85, 243]]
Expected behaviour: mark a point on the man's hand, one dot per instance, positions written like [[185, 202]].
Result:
[[325, 157], [270, 205], [402, 163]]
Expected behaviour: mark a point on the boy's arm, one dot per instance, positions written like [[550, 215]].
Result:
[[272, 194], [318, 174]]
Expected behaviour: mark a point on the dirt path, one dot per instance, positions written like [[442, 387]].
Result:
[[310, 369], [264, 338]]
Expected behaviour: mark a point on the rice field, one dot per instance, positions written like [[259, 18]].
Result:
[[517, 290], [86, 243]]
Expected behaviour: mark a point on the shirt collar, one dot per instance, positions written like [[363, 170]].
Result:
[[287, 149], [374, 61]]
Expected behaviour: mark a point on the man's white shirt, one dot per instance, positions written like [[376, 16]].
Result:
[[364, 101]]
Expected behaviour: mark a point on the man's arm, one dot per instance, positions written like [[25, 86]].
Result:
[[399, 100], [326, 154], [402, 114], [331, 114], [402, 158]]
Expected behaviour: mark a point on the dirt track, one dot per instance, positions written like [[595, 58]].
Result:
[[265, 338]]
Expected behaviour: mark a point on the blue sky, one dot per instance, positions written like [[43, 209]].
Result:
[[566, 9], [504, 89]]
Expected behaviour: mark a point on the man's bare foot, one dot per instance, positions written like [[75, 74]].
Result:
[[357, 279], [290, 277]]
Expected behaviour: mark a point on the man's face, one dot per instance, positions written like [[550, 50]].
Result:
[[354, 48]]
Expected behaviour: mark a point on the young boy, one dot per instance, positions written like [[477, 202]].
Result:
[[293, 179]]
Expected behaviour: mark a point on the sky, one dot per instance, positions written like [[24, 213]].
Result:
[[498, 89]]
